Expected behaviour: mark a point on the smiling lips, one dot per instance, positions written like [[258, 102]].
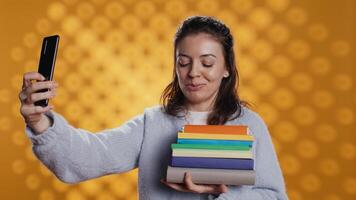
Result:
[[194, 87]]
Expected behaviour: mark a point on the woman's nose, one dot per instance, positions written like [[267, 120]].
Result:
[[195, 70]]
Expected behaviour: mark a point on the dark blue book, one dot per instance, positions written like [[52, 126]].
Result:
[[215, 142], [214, 163]]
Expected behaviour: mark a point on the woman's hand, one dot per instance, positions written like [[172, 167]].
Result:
[[32, 114], [189, 186]]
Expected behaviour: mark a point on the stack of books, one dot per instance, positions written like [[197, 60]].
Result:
[[213, 154]]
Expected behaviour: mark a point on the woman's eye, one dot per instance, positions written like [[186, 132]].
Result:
[[207, 65], [183, 64]]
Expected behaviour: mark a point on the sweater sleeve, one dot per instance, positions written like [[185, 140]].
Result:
[[75, 155], [269, 183]]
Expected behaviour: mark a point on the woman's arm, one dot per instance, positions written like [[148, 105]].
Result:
[[75, 155], [269, 184]]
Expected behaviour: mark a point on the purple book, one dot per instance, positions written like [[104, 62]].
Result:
[[213, 163]]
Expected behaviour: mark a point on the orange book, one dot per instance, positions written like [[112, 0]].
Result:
[[217, 129]]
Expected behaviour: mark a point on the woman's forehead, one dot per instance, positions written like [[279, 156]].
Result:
[[199, 45]]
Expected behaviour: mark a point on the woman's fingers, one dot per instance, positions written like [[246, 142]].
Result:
[[29, 76], [36, 86], [198, 188], [29, 110], [175, 186], [189, 186], [222, 188], [32, 98]]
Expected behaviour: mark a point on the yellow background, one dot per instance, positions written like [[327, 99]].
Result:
[[296, 61]]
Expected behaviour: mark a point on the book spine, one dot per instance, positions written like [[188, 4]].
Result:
[[209, 146], [212, 153], [212, 176], [215, 163], [223, 129], [215, 136], [214, 142]]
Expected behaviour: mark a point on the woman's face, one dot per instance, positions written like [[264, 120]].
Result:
[[200, 68]]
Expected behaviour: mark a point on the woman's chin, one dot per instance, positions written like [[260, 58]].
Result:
[[195, 99]]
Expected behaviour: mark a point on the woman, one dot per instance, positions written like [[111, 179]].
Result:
[[203, 91]]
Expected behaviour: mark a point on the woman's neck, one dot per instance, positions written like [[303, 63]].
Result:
[[201, 107]]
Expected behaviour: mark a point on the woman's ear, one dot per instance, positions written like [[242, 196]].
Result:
[[226, 74]]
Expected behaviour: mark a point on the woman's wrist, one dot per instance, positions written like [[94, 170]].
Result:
[[42, 125]]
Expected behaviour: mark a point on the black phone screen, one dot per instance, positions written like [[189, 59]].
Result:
[[47, 62]]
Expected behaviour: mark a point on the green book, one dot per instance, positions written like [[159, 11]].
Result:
[[209, 146]]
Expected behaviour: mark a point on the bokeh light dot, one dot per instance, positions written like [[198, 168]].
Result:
[[262, 50], [278, 5], [280, 65], [296, 16], [301, 82], [342, 82], [91, 188], [207, 7], [118, 188], [298, 49], [263, 82], [285, 131], [46, 195], [175, 8], [307, 149], [294, 194], [32, 181], [290, 164], [350, 185], [85, 10], [278, 33], [283, 98], [18, 166], [320, 65], [4, 95], [345, 116], [19, 138], [318, 32], [304, 115], [17, 54], [87, 38], [56, 11], [340, 48], [43, 26], [260, 17], [247, 67], [114, 10], [71, 24], [60, 186], [331, 197], [245, 35], [30, 40], [241, 6], [347, 150], [310, 183], [329, 167], [5, 123], [268, 113], [101, 25], [105, 196], [228, 17], [323, 99], [325, 132], [75, 194]]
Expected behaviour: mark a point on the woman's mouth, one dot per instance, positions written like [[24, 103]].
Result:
[[194, 87]]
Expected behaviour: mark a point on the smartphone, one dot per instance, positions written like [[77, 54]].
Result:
[[47, 62]]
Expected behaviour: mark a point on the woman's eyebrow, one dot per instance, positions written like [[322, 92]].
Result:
[[205, 55], [184, 55]]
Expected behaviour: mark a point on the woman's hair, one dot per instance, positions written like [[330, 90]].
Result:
[[227, 105]]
